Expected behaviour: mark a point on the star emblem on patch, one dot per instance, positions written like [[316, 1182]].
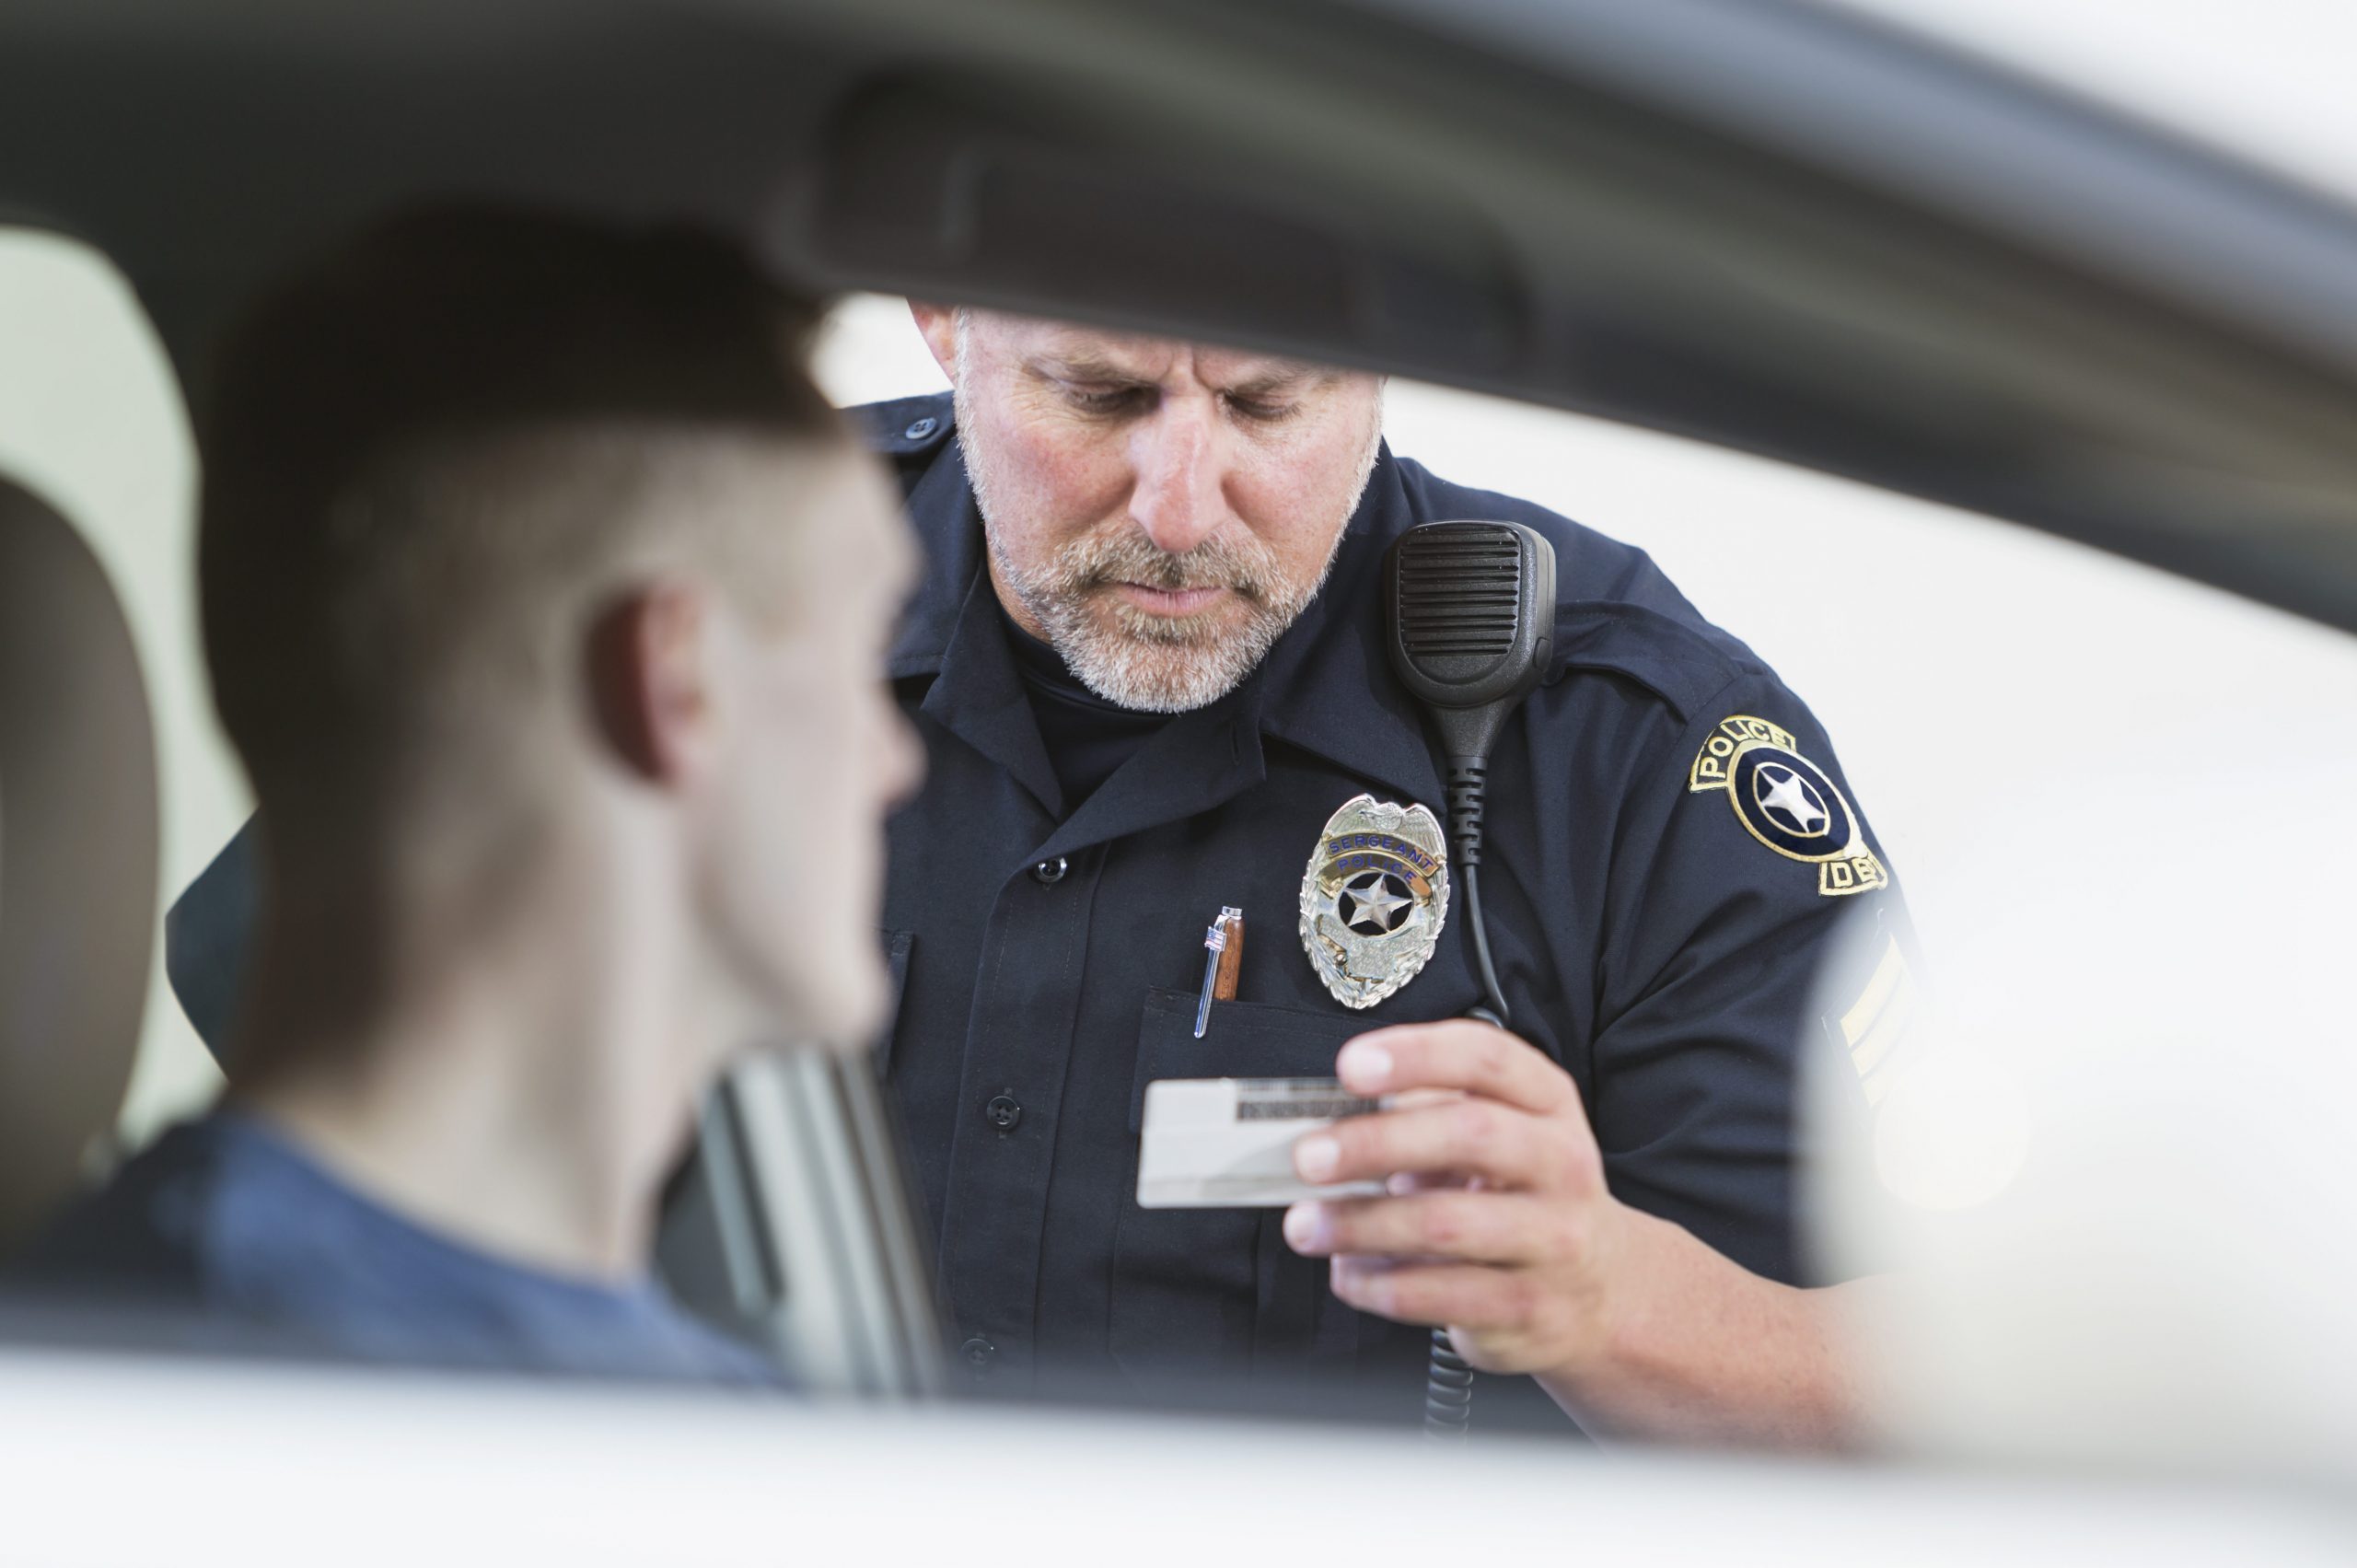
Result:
[[1791, 799]]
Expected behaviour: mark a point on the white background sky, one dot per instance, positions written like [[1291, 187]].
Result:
[[1974, 672]]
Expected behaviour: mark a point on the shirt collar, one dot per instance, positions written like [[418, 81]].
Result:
[[1328, 686], [941, 507]]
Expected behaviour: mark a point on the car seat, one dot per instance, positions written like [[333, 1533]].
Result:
[[77, 857]]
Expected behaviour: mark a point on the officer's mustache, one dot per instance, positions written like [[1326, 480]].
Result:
[[1244, 568]]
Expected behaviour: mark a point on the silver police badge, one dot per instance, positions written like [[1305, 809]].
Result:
[[1374, 899]]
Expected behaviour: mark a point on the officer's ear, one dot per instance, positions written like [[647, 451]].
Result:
[[939, 325], [650, 677]]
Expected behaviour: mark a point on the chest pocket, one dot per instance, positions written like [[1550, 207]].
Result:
[[1198, 1289]]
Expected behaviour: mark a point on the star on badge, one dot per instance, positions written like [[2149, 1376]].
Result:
[[1372, 904], [1375, 898]]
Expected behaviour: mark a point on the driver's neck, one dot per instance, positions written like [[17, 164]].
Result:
[[520, 1091]]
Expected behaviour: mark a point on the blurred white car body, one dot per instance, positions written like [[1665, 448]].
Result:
[[130, 1462]]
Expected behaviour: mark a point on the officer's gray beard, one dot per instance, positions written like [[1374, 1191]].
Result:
[[1158, 664]]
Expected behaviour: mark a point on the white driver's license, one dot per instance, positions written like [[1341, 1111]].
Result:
[[1227, 1142]]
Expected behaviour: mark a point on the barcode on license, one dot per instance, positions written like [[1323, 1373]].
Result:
[[1296, 1099]]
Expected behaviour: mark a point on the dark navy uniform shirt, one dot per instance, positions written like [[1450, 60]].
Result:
[[1657, 930]]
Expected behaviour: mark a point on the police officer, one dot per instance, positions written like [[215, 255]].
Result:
[[1147, 666], [1146, 663]]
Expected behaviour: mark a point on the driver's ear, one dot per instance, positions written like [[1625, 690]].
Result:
[[650, 676]]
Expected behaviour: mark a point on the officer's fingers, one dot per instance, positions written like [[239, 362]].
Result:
[[1400, 1183], [1468, 1138], [1457, 1054], [1474, 1228], [1462, 1295]]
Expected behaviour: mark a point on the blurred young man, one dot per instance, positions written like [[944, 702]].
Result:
[[546, 602]]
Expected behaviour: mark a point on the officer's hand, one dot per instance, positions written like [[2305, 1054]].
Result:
[[1499, 1224]]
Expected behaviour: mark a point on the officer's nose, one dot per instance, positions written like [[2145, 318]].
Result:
[[1177, 497]]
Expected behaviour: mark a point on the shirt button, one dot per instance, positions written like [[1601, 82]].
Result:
[[1048, 873], [922, 428], [1002, 1113], [979, 1353]]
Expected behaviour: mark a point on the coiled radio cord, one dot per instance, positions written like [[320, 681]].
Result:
[[1448, 1378]]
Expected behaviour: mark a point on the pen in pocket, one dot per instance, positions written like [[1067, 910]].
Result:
[[1224, 957]]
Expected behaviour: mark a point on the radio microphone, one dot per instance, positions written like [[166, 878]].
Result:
[[1471, 617], [1469, 609]]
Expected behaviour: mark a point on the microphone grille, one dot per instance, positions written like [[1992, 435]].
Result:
[[1459, 586]]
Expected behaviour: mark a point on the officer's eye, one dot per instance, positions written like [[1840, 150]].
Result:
[[1261, 411], [1105, 399]]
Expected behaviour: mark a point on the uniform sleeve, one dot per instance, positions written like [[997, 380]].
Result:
[[207, 934], [1747, 867]]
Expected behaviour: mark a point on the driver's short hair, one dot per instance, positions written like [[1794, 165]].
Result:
[[428, 453]]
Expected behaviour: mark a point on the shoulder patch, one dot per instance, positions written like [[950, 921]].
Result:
[[1788, 803]]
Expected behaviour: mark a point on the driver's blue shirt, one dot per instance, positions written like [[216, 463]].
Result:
[[1672, 848], [225, 1224]]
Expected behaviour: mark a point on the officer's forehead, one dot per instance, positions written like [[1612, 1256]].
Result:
[[1095, 354]]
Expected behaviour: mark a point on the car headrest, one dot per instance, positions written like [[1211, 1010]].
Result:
[[78, 856]]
